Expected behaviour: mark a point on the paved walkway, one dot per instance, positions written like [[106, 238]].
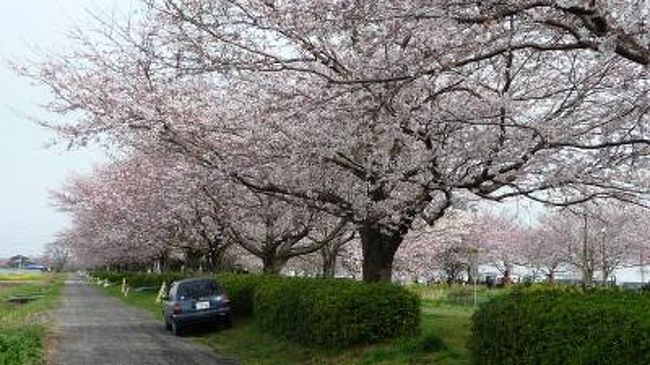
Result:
[[94, 328]]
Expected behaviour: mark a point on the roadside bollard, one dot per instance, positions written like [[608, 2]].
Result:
[[161, 292]]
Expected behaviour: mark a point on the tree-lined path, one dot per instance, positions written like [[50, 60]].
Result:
[[96, 329]]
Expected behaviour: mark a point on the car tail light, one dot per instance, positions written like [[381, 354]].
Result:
[[177, 309], [225, 301]]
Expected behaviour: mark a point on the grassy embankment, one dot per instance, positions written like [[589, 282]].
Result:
[[23, 327], [446, 313]]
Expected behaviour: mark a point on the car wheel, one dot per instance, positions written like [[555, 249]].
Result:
[[176, 329], [227, 323]]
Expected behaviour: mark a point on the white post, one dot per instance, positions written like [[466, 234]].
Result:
[[161, 292]]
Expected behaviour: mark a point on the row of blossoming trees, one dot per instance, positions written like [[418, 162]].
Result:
[[286, 128], [138, 212]]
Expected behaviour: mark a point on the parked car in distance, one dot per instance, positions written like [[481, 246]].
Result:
[[192, 302]]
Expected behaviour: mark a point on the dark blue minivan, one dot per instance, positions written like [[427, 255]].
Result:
[[193, 302]]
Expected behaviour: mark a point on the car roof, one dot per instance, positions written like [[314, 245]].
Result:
[[194, 280]]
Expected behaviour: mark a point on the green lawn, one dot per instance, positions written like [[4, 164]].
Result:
[[445, 330], [23, 327]]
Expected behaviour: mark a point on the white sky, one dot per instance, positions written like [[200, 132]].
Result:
[[28, 169]]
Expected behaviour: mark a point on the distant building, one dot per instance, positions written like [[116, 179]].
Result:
[[19, 262]]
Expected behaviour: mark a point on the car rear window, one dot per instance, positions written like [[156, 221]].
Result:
[[197, 289]]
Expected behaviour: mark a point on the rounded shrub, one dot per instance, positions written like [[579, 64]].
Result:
[[563, 326], [335, 313]]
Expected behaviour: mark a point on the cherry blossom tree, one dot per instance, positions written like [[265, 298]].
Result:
[[500, 238], [162, 205], [376, 112], [351, 260], [140, 209], [544, 250], [639, 238], [339, 257], [272, 230], [333, 235], [603, 237], [444, 247], [57, 255]]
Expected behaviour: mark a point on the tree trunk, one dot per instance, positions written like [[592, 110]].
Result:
[[215, 258], [587, 276], [452, 272], [273, 264], [378, 249], [507, 279], [607, 273], [193, 259], [164, 261], [551, 276], [157, 267], [587, 257], [329, 262]]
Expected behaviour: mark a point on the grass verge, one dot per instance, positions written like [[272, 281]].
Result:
[[23, 327]]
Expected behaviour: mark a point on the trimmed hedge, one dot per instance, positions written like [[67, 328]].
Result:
[[563, 326], [335, 313], [241, 291]]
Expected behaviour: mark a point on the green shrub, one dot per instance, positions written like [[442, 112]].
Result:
[[563, 326], [241, 291], [335, 313]]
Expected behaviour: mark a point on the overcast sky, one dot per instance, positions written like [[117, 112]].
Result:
[[29, 169]]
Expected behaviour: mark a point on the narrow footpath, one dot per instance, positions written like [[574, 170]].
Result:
[[93, 328]]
